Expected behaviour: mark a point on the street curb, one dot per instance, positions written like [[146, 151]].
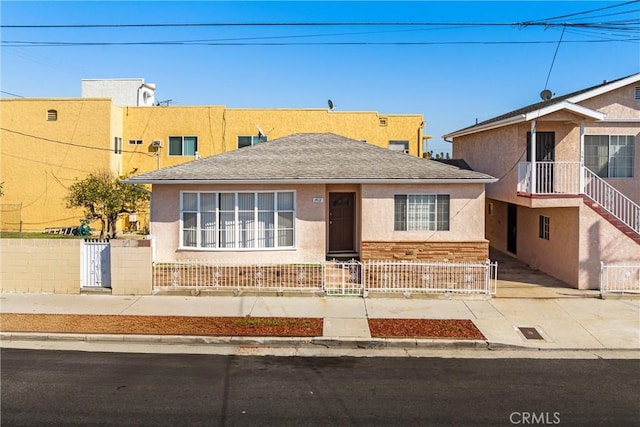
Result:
[[284, 342]]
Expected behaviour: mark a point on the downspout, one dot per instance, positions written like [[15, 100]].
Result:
[[533, 157]]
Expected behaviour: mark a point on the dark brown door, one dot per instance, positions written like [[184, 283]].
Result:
[[512, 228], [341, 222]]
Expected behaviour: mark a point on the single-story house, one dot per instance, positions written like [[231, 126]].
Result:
[[309, 197]]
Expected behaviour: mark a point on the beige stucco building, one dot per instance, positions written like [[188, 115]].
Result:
[[569, 180], [308, 197], [50, 143]]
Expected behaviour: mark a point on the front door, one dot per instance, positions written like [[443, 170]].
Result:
[[546, 154], [512, 228], [341, 222]]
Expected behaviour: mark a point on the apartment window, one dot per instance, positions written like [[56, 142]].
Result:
[[183, 145], [248, 141], [610, 156], [135, 142], [239, 220], [637, 93], [117, 145], [52, 115], [543, 227], [421, 212], [382, 121], [396, 145]]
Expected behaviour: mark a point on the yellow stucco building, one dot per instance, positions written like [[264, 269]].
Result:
[[49, 143]]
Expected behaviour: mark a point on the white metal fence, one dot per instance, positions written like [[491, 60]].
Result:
[[619, 278], [331, 277]]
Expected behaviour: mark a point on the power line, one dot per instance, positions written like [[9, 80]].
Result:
[[581, 13], [11, 94], [70, 143], [470, 42]]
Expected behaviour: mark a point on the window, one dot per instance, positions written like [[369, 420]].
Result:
[[421, 212], [183, 145], [52, 115], [135, 142], [543, 227], [382, 121], [402, 146], [117, 145], [248, 141], [637, 93], [610, 156], [243, 220]]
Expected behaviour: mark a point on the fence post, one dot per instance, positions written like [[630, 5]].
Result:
[[601, 278]]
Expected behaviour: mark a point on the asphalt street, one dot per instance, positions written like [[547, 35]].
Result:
[[81, 388]]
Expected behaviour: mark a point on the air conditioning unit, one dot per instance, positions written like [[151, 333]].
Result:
[[156, 143]]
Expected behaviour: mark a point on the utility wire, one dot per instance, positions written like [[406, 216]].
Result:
[[71, 143], [11, 94], [535, 22], [554, 59]]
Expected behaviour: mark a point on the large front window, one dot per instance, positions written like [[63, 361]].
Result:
[[421, 212], [610, 156], [242, 220], [183, 145]]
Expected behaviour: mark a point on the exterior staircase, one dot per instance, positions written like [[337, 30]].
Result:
[[604, 213]]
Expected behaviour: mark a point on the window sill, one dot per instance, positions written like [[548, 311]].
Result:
[[192, 249]]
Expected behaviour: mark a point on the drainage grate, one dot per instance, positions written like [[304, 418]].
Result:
[[531, 333]]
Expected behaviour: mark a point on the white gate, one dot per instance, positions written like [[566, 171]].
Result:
[[95, 264], [343, 278]]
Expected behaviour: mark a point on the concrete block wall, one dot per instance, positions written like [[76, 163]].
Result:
[[131, 267], [40, 265], [425, 251]]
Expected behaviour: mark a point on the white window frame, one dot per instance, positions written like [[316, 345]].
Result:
[[394, 145], [431, 225], [182, 137], [117, 145], [255, 139], [609, 155], [236, 228]]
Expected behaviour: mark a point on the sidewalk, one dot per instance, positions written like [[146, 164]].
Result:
[[568, 323]]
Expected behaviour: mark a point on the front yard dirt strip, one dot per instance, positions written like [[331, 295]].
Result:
[[229, 326]]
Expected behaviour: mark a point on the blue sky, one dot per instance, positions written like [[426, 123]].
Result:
[[452, 74]]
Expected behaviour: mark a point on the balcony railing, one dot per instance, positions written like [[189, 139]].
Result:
[[574, 178], [550, 178]]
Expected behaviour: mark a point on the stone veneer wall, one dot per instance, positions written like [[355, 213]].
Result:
[[425, 251]]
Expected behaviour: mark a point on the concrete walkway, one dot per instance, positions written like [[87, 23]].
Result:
[[563, 323]]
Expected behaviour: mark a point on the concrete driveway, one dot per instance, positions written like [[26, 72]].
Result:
[[517, 280]]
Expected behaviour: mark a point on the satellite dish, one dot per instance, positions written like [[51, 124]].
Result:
[[260, 132], [546, 95], [330, 102]]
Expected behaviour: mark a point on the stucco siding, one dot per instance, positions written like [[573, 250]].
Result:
[[466, 208], [601, 241], [41, 158], [562, 245]]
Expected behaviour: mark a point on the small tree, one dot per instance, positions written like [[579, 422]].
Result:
[[103, 197]]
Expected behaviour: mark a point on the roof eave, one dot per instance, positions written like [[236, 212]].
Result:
[[313, 181], [565, 105], [480, 128]]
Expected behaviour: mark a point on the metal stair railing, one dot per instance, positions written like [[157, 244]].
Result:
[[611, 200]]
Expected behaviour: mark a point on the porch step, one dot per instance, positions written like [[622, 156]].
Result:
[[624, 229]]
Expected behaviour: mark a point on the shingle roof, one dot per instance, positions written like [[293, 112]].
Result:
[[311, 157], [541, 104]]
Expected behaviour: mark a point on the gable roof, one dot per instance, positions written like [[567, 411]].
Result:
[[542, 108], [311, 158]]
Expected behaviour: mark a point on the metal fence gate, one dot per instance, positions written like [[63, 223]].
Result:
[[95, 264]]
